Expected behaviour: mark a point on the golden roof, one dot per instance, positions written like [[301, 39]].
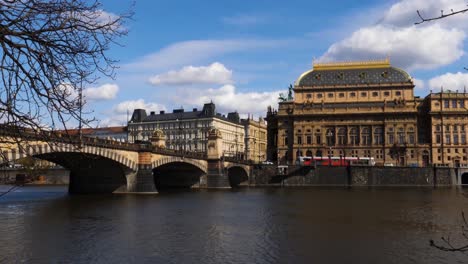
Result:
[[351, 65]]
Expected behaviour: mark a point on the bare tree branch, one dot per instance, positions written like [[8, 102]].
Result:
[[49, 51], [442, 15], [447, 244]]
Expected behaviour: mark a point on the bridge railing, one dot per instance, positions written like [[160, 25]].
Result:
[[57, 137]]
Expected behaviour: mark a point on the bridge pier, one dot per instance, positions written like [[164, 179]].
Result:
[[217, 177], [142, 181]]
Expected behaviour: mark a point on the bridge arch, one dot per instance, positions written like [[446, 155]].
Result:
[[37, 150], [464, 178], [177, 172], [202, 165], [92, 169], [237, 174]]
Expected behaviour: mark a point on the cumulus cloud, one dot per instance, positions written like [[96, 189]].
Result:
[[130, 105], [123, 110], [216, 73], [403, 13], [449, 81], [412, 47], [227, 99], [104, 92]]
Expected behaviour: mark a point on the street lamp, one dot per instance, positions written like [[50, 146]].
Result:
[[330, 143]]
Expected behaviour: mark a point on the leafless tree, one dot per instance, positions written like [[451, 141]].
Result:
[[448, 245], [442, 15], [49, 51]]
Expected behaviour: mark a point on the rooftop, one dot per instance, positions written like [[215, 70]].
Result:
[[353, 73]]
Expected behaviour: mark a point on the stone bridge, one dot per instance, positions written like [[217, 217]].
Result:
[[105, 166]]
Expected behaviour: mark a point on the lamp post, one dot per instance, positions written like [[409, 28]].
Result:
[[330, 143]]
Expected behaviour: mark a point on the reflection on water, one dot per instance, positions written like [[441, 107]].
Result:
[[45, 225]]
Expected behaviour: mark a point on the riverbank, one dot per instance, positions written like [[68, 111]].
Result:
[[269, 175]]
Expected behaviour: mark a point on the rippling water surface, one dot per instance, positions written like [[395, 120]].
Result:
[[315, 225]]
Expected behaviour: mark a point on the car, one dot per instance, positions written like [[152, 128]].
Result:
[[388, 164], [267, 162]]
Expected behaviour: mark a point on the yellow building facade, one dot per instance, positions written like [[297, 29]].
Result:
[[368, 109]]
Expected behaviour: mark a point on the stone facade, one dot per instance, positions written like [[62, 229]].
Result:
[[188, 131], [368, 109], [255, 139]]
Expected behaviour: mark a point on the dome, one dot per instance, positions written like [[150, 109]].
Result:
[[353, 73]]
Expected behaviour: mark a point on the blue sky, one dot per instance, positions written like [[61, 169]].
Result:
[[242, 54]]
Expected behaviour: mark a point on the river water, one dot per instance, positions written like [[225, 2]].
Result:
[[271, 225]]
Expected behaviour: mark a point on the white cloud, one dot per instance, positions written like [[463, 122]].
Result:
[[410, 47], [123, 110], [403, 13], [419, 84], [131, 105], [196, 51], [449, 81], [104, 92], [425, 46], [216, 73], [227, 99]]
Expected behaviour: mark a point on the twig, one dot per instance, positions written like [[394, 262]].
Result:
[[10, 190], [442, 15]]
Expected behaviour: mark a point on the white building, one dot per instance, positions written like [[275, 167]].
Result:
[[188, 131]]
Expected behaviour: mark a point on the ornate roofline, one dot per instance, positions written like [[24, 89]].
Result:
[[350, 65]]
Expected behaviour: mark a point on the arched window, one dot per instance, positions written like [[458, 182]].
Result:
[[353, 136], [330, 137], [309, 153], [366, 136], [342, 136], [401, 136], [378, 136]]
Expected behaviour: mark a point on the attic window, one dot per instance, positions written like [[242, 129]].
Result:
[[318, 76], [362, 75]]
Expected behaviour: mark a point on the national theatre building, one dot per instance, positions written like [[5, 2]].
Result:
[[368, 109]]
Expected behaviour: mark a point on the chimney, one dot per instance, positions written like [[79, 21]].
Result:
[[152, 113], [195, 109], [161, 112]]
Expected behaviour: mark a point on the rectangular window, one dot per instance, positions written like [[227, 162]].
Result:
[[386, 94], [352, 94], [319, 95], [462, 103], [363, 94], [341, 95], [455, 139], [398, 93], [330, 95], [446, 103], [299, 139], [411, 139], [309, 140], [454, 103], [285, 141], [401, 138], [375, 94], [438, 139], [309, 95], [391, 139], [463, 138], [447, 138], [318, 139]]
